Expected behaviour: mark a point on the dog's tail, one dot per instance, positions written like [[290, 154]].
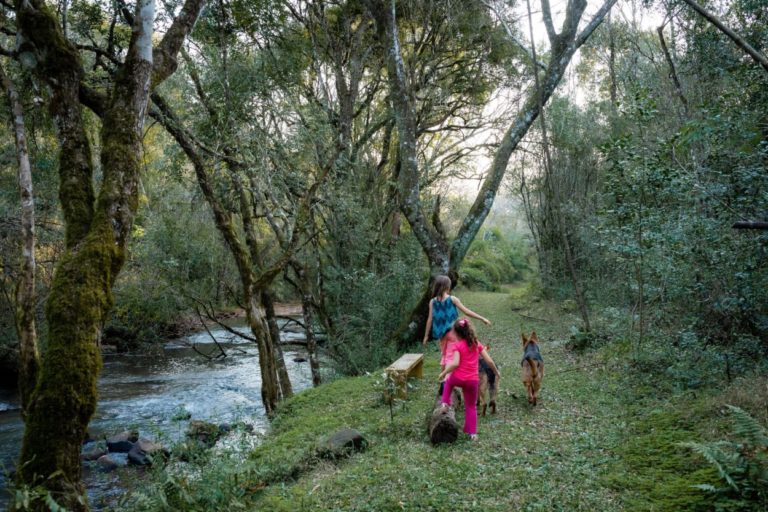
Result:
[[532, 363]]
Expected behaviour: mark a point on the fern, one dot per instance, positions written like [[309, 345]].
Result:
[[715, 455], [747, 427], [743, 464]]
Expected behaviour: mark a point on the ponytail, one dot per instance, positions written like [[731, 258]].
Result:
[[465, 331]]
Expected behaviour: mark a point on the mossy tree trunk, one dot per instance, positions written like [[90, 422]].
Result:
[[96, 232], [446, 257]]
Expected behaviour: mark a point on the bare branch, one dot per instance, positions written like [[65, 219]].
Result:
[[672, 71], [222, 353]]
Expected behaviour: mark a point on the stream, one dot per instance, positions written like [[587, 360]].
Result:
[[150, 392]]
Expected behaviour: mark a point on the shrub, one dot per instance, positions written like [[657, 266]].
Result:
[[493, 260]]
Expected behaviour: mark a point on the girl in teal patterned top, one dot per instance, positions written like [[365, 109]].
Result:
[[443, 312]]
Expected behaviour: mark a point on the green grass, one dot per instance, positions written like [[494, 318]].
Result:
[[599, 439]]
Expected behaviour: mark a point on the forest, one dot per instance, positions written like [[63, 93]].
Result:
[[285, 180]]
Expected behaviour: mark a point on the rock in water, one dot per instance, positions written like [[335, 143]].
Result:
[[106, 464], [145, 452], [205, 433], [93, 453], [122, 442]]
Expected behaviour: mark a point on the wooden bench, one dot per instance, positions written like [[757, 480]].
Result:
[[409, 365]]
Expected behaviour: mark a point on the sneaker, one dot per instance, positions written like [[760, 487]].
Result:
[[473, 437]]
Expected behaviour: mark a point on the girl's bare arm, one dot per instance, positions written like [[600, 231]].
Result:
[[429, 325], [469, 312], [487, 358], [450, 366]]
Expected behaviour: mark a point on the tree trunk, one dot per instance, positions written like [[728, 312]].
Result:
[[307, 307], [270, 383], [29, 358], [672, 70], [612, 66], [442, 426], [286, 388], [581, 299], [64, 398], [549, 188]]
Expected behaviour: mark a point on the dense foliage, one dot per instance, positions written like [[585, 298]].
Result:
[[648, 183], [309, 152]]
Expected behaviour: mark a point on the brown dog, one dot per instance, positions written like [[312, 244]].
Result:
[[489, 388], [532, 366]]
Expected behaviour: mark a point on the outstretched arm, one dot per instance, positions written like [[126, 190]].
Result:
[[487, 358], [429, 325], [468, 311], [450, 366]]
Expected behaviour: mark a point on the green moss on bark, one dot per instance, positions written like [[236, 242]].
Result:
[[65, 397], [39, 25]]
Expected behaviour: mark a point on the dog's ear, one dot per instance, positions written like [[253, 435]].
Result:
[[534, 337], [525, 340]]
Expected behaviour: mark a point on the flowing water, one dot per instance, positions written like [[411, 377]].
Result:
[[151, 393]]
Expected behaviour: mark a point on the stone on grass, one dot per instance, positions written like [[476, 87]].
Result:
[[342, 444]]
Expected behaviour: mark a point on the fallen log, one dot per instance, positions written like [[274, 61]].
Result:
[[750, 225], [442, 424]]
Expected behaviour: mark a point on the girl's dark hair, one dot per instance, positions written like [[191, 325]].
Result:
[[442, 284], [465, 331]]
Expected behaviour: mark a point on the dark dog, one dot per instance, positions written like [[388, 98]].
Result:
[[532, 366], [488, 388]]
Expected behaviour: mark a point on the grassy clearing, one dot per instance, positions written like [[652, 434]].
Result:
[[558, 456], [594, 442]]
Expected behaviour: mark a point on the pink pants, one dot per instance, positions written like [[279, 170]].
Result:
[[470, 389]]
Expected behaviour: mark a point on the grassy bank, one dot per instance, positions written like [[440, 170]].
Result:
[[600, 439]]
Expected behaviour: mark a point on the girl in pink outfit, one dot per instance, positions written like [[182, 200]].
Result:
[[462, 372]]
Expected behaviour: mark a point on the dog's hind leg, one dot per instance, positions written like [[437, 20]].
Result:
[[482, 403]]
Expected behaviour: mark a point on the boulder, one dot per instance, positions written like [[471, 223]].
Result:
[[342, 444], [91, 436], [122, 442], [145, 452], [93, 452], [106, 464]]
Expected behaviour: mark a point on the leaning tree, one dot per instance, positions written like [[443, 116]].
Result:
[[445, 256]]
